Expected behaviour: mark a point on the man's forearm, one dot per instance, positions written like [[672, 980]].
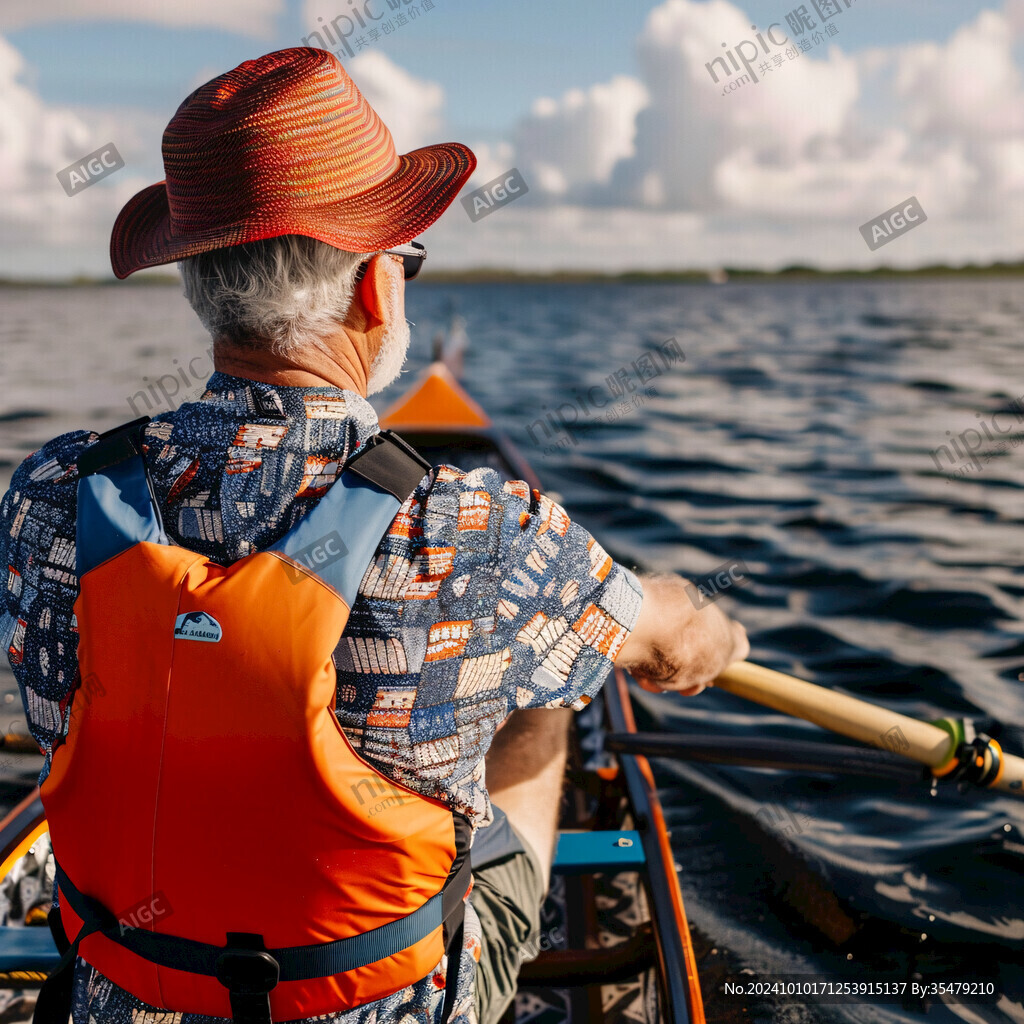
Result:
[[675, 645]]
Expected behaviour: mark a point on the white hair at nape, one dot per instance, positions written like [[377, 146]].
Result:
[[281, 294]]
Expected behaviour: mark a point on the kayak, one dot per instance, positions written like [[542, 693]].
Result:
[[615, 942]]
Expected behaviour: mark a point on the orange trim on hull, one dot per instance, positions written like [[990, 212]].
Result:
[[437, 402], [20, 846], [660, 829], [23, 847]]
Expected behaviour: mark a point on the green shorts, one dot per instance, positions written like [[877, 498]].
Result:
[[508, 889]]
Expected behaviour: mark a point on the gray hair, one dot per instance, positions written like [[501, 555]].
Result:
[[280, 293]]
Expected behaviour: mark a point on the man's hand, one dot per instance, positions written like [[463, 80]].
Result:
[[676, 647]]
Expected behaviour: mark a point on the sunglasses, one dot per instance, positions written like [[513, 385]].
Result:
[[413, 256]]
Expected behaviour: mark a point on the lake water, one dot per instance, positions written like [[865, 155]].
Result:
[[855, 444]]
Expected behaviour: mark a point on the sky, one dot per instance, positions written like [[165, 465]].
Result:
[[640, 145]]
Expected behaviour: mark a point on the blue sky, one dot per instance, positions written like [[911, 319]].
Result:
[[493, 58], [604, 106]]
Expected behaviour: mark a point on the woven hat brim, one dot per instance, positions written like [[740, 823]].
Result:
[[395, 211]]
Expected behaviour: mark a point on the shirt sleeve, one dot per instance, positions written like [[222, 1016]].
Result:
[[502, 596], [37, 546], [566, 606]]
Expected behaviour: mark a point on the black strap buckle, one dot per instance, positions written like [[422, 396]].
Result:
[[112, 446], [400, 442], [248, 975], [390, 463]]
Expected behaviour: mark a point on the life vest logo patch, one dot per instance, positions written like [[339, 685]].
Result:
[[197, 626]]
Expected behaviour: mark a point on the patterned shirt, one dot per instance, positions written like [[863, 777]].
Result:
[[483, 597]]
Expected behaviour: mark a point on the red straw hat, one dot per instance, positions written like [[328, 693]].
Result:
[[283, 145]]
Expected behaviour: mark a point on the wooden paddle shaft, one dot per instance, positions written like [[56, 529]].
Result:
[[920, 741]]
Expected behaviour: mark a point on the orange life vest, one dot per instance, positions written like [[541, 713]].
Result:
[[217, 837]]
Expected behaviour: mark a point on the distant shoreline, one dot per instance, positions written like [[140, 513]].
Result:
[[498, 275]]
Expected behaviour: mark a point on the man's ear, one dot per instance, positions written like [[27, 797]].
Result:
[[374, 292]]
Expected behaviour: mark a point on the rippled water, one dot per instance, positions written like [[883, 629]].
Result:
[[803, 434]]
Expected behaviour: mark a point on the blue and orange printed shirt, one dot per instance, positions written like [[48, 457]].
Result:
[[482, 598]]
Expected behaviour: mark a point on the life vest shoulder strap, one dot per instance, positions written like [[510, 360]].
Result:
[[337, 540], [117, 505], [112, 447], [390, 463]]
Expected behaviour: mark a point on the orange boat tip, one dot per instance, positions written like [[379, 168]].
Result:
[[437, 402]]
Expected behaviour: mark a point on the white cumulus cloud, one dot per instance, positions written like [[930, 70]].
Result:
[[40, 224], [968, 88], [662, 167], [574, 142], [784, 166]]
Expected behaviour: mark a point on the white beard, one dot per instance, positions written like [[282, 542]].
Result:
[[390, 358]]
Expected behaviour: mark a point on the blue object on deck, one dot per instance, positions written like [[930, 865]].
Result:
[[27, 949], [581, 853]]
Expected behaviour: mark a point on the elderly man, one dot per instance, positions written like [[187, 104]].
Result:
[[211, 723]]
